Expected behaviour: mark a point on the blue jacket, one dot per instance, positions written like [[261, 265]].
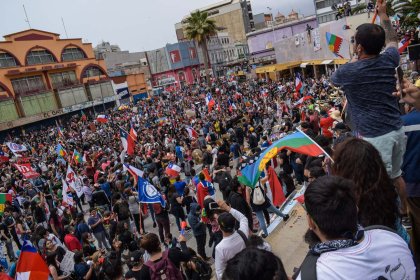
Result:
[[194, 220]]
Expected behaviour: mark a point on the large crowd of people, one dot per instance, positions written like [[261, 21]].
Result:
[[362, 197]]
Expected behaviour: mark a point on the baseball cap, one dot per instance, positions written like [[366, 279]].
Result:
[[226, 222], [136, 256], [340, 126]]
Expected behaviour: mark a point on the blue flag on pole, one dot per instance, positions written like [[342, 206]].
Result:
[[148, 193]]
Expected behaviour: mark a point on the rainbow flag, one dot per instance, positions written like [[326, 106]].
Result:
[[334, 43], [60, 151], [3, 198], [77, 157], [297, 142], [30, 265]]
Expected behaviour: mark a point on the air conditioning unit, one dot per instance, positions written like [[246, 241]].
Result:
[[143, 62]]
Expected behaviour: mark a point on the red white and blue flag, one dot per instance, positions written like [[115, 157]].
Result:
[[127, 142], [135, 172], [232, 105], [210, 101], [403, 44], [191, 132], [172, 170], [298, 83], [30, 265], [102, 118]]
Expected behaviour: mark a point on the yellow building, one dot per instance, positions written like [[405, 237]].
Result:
[[43, 76]]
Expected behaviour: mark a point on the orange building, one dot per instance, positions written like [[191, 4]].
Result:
[[43, 76]]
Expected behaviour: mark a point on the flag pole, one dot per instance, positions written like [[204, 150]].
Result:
[[316, 144]]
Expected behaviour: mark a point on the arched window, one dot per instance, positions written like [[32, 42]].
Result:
[[39, 56], [7, 60], [72, 53], [92, 71]]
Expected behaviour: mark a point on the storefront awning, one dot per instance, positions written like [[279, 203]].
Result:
[[303, 65], [328, 61], [340, 61], [265, 69]]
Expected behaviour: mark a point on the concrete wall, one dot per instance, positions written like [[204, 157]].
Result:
[[287, 50], [158, 61], [263, 39], [188, 54]]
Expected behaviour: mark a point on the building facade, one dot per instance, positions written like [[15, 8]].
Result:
[[326, 12], [233, 17], [43, 76], [105, 47], [261, 42], [223, 53], [132, 68], [175, 65]]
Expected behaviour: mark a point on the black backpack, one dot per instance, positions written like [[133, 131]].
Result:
[[202, 268], [123, 211], [308, 267]]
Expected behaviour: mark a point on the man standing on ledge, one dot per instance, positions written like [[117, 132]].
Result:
[[368, 82]]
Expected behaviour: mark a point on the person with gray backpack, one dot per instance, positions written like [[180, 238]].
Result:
[[260, 202], [343, 249]]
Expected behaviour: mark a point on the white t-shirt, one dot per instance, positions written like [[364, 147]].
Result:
[[231, 245], [381, 255]]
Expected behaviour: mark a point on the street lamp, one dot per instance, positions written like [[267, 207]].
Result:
[[272, 26]]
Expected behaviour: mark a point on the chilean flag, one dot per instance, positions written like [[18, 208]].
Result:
[[30, 265], [298, 83], [403, 44], [126, 142], [172, 170], [232, 105], [191, 132], [210, 101], [132, 139], [102, 118], [135, 172]]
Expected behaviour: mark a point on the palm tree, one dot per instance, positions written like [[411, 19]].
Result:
[[199, 28]]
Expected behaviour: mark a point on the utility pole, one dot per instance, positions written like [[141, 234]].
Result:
[[26, 17], [65, 30]]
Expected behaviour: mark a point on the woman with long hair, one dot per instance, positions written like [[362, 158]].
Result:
[[54, 267], [376, 197]]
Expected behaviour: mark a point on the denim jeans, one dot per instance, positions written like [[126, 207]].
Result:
[[101, 238], [261, 220], [9, 249]]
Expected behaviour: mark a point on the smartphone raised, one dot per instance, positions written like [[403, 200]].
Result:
[[400, 79], [213, 206]]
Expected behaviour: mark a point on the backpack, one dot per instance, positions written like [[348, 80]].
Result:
[[258, 196], [157, 208], [308, 267], [164, 269], [202, 268], [123, 211]]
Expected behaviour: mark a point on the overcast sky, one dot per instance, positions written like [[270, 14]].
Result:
[[134, 25]]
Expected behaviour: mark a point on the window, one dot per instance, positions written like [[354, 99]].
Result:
[[6, 60], [40, 57], [28, 84], [63, 79], [92, 71], [72, 54]]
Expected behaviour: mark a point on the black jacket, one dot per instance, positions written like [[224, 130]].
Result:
[[238, 202]]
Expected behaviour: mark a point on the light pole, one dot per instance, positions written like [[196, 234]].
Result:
[[272, 26]]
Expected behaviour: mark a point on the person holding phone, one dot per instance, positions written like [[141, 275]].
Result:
[[368, 83]]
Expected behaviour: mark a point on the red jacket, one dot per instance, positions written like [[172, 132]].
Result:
[[326, 126], [72, 243]]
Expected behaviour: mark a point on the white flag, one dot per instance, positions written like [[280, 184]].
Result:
[[67, 198], [73, 181]]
